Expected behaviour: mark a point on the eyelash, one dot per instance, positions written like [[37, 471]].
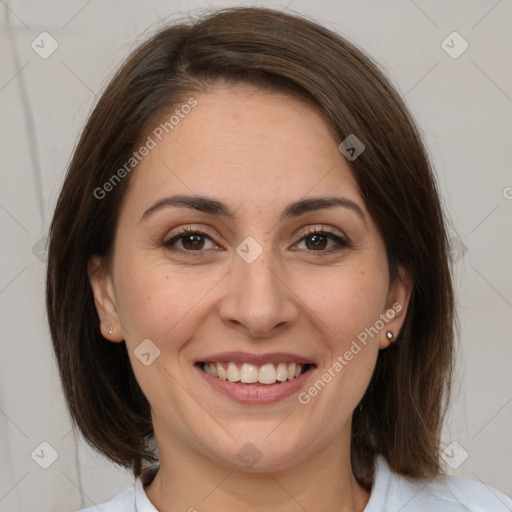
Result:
[[341, 242]]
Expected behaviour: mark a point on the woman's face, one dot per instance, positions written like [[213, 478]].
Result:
[[249, 288]]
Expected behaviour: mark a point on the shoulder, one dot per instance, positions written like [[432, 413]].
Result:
[[392, 492], [124, 501], [133, 499]]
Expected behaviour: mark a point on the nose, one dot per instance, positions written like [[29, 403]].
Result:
[[258, 299]]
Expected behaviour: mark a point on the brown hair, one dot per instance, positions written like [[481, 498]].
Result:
[[401, 413]]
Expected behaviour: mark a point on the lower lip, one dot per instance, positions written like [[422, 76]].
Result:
[[253, 394]]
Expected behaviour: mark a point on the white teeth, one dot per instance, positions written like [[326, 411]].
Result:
[[291, 371], [267, 374], [223, 374], [249, 373], [233, 372], [282, 372]]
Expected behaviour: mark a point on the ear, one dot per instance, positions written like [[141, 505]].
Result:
[[397, 302], [104, 299]]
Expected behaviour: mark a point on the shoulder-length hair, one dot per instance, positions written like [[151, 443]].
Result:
[[400, 415]]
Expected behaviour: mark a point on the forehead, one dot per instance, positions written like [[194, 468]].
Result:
[[245, 146]]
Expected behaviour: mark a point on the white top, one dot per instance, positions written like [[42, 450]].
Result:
[[390, 493]]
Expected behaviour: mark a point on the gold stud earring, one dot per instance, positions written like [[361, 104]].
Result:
[[389, 335]]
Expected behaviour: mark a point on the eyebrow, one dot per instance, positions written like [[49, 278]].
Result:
[[214, 207]]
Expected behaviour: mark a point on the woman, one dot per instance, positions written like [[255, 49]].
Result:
[[249, 290]]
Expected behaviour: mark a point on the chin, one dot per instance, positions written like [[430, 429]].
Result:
[[262, 454]]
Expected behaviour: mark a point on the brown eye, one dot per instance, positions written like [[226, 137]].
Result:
[[190, 241], [317, 241]]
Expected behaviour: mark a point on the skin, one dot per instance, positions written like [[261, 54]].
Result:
[[257, 152]]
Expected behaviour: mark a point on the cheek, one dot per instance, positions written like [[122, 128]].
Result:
[[159, 302], [165, 306], [348, 304], [347, 308]]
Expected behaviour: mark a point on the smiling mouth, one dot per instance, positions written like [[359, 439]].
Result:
[[247, 373]]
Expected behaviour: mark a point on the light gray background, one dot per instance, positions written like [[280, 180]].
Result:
[[463, 105]]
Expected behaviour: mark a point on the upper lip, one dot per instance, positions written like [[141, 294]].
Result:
[[256, 359]]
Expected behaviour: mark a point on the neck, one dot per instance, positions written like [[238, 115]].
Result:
[[189, 480]]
